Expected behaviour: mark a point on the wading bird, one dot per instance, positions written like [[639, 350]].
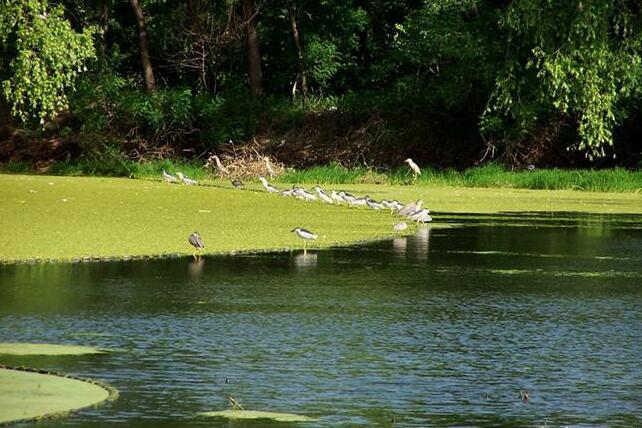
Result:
[[169, 177], [219, 165], [373, 204], [420, 216], [268, 186], [306, 235], [414, 167], [268, 166], [186, 180], [410, 207], [324, 196], [196, 242], [304, 194]]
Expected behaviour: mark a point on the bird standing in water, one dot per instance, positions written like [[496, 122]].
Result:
[[306, 235], [196, 242]]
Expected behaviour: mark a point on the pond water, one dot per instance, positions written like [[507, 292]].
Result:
[[438, 329]]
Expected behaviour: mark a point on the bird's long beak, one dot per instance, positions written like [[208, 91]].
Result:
[[293, 230]]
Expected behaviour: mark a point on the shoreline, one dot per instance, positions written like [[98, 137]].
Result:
[[51, 219]]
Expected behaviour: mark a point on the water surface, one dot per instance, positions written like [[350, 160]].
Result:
[[438, 329]]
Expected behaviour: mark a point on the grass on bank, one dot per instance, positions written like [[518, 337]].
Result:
[[48, 217], [489, 175]]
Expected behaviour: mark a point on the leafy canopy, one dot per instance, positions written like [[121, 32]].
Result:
[[46, 56]]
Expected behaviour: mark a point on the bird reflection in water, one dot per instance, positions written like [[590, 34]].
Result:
[[195, 268], [400, 246], [305, 260], [422, 240]]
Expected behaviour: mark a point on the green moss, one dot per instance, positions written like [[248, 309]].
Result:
[[46, 349], [44, 217], [253, 414], [27, 395]]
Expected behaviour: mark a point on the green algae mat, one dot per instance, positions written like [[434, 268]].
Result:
[[28, 395], [46, 349], [255, 414], [66, 218]]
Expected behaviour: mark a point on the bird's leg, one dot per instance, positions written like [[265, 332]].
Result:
[[305, 247]]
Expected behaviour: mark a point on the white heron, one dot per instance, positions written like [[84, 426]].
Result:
[[414, 167], [220, 165], [304, 194], [186, 180], [268, 186], [169, 177], [324, 196], [268, 166]]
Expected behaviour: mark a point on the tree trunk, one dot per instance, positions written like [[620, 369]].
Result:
[[253, 52], [299, 53], [148, 71]]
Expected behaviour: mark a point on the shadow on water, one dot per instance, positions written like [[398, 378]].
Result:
[[441, 328]]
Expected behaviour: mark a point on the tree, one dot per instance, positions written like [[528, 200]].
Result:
[[143, 45], [299, 53], [44, 55], [252, 47], [576, 60]]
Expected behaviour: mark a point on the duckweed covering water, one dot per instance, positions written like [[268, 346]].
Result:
[[254, 414], [46, 349], [69, 218], [27, 395]]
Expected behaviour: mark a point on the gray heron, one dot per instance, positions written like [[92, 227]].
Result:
[[410, 207], [306, 235], [195, 241]]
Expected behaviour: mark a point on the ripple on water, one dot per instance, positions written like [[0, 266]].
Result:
[[436, 329]]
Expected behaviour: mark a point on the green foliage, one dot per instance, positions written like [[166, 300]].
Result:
[[440, 81], [49, 54], [580, 59]]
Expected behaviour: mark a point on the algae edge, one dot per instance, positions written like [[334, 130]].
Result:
[[113, 393]]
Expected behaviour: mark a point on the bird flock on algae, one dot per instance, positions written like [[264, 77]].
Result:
[[413, 211]]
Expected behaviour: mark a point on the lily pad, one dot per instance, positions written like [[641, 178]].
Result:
[[46, 349], [255, 414], [28, 395]]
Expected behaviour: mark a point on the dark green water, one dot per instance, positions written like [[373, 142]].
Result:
[[440, 329]]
